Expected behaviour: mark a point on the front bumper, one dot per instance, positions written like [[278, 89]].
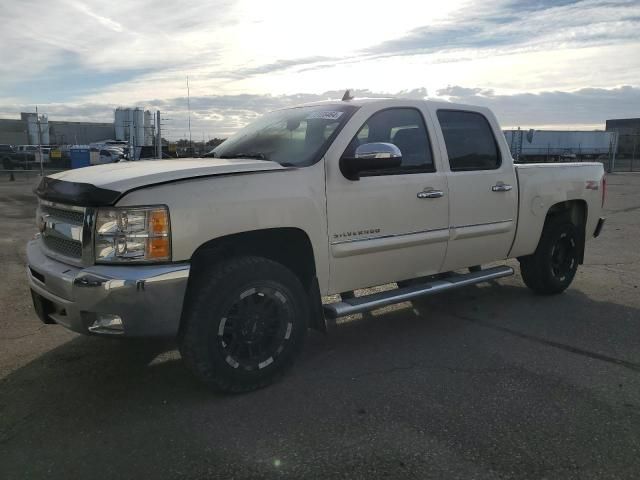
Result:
[[147, 298]]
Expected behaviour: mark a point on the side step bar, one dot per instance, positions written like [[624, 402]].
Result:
[[378, 300]]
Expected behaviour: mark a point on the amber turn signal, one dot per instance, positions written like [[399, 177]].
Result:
[[159, 222], [158, 248]]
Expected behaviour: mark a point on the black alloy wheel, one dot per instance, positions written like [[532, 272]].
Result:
[[564, 256], [552, 267], [244, 322], [254, 330]]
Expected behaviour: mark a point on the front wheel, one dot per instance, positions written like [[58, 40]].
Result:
[[244, 325], [551, 269]]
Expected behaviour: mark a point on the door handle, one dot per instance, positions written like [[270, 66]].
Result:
[[431, 194], [501, 187]]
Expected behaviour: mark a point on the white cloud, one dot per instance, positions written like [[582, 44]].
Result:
[[255, 54], [586, 108], [221, 115], [104, 21]]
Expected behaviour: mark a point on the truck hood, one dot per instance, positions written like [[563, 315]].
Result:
[[124, 176], [104, 184]]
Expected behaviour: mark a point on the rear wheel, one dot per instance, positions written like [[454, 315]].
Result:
[[553, 266], [244, 324]]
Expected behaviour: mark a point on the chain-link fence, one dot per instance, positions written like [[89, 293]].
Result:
[[627, 154]]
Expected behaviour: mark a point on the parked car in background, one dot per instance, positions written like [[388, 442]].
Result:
[[26, 148], [12, 159], [110, 155], [232, 255], [35, 150]]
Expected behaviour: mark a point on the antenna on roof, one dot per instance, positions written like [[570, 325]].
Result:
[[347, 96]]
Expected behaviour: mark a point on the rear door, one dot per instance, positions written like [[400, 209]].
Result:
[[382, 227], [482, 188]]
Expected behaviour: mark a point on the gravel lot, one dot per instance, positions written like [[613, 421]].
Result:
[[486, 382]]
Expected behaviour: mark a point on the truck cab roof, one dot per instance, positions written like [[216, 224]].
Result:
[[395, 102]]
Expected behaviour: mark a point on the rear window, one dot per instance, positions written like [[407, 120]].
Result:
[[469, 140]]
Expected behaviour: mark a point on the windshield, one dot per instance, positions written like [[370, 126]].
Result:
[[296, 136]]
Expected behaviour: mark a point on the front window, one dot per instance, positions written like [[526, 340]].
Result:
[[403, 127], [292, 137]]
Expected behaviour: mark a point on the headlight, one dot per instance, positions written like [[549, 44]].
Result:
[[136, 234]]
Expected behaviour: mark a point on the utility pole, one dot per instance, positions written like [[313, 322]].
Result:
[[132, 150], [189, 114], [158, 137], [39, 142]]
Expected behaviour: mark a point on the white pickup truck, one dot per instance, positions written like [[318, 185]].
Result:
[[233, 254]]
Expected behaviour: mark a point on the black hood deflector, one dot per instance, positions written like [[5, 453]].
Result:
[[73, 193]]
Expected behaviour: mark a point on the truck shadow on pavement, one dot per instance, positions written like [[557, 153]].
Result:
[[396, 373]]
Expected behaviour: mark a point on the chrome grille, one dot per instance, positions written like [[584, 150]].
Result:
[[63, 231], [72, 216], [63, 246]]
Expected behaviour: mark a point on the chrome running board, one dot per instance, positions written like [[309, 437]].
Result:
[[378, 300]]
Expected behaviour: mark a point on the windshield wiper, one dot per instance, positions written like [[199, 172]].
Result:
[[252, 155]]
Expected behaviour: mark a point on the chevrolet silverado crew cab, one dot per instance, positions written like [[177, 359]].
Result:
[[233, 254]]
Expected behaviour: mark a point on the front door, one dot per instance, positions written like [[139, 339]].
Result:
[[383, 227]]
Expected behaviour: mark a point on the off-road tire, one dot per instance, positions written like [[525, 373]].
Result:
[[201, 343], [540, 271]]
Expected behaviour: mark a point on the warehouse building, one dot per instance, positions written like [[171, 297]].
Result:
[[79, 133], [13, 132], [31, 130]]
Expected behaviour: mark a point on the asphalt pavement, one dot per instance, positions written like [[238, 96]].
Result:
[[486, 382]]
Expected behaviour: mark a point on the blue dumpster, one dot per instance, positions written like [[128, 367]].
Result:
[[80, 157]]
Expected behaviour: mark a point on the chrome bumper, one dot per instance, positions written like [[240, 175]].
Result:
[[147, 298]]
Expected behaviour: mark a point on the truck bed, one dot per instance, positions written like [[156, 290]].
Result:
[[541, 185]]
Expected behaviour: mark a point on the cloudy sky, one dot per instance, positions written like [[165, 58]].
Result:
[[537, 63]]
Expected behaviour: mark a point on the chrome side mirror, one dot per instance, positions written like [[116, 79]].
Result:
[[370, 157], [378, 150]]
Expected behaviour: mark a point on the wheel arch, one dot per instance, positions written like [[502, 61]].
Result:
[[289, 246], [574, 211]]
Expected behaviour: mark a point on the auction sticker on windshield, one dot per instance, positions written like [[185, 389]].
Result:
[[325, 115]]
